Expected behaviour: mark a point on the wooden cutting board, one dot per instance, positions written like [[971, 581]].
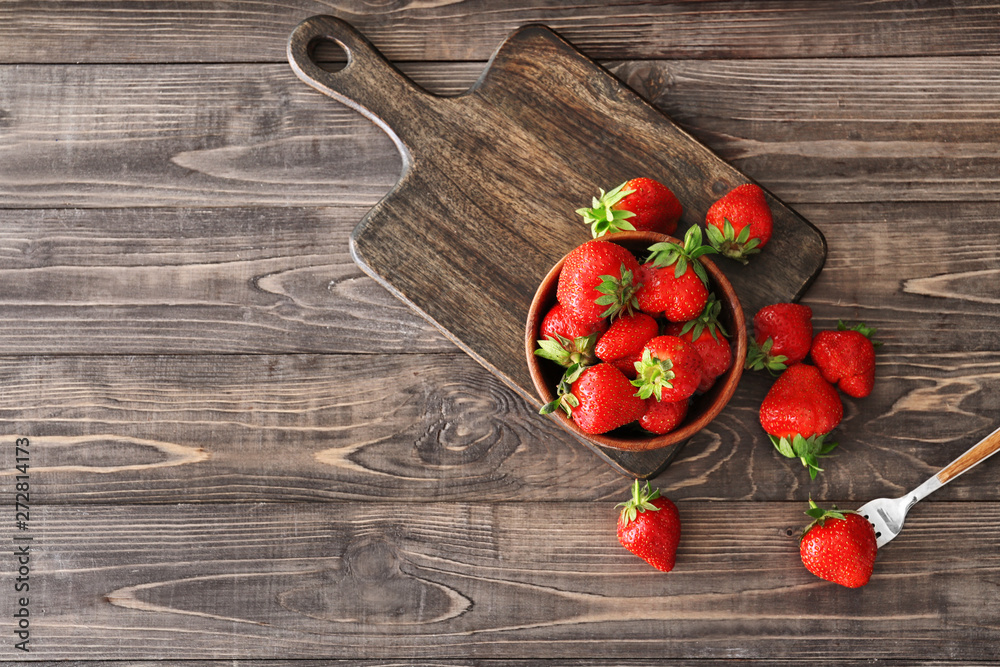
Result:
[[491, 179]]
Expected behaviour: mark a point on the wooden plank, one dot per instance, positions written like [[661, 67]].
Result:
[[858, 130], [447, 580], [875, 274], [122, 429], [913, 129], [250, 136], [162, 281], [63, 31], [68, 271], [195, 280]]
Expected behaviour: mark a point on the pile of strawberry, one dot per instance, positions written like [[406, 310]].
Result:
[[803, 405], [639, 340]]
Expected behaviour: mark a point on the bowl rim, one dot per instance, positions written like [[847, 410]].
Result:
[[721, 392]]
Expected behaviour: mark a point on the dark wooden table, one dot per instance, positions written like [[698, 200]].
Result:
[[241, 448]]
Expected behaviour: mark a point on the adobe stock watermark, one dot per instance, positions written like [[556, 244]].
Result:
[[22, 544]]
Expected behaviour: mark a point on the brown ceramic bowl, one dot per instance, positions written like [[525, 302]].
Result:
[[704, 407]]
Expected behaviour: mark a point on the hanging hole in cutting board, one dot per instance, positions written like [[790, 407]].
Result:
[[329, 54]]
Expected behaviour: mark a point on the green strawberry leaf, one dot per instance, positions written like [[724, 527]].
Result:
[[618, 294], [732, 245], [602, 217], [808, 450], [715, 237], [565, 400], [554, 350], [759, 357], [708, 319], [667, 254], [652, 375], [820, 515], [641, 501], [680, 266], [783, 446], [744, 235], [700, 271], [566, 352]]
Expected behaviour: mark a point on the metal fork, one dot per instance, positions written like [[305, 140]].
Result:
[[887, 514]]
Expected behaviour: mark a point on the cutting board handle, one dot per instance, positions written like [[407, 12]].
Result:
[[368, 82]]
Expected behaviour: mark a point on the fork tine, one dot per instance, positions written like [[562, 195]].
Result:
[[885, 528]]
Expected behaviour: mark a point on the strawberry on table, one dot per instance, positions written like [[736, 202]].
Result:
[[740, 223], [673, 281], [797, 413], [597, 398], [670, 369], [650, 527], [838, 546], [597, 281], [846, 357], [782, 336], [708, 337], [638, 204], [662, 417]]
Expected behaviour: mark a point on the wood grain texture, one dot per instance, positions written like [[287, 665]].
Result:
[[232, 428], [115, 137], [245, 446], [314, 428], [931, 140], [471, 580], [224, 280], [811, 131], [873, 274], [542, 125], [268, 280], [59, 31]]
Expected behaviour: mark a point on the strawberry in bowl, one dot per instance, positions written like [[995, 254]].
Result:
[[644, 387]]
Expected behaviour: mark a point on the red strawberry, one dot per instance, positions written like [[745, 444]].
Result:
[[597, 281], [782, 336], [558, 322], [839, 547], [598, 398], [639, 204], [626, 337], [670, 369], [650, 527], [663, 417], [627, 364], [846, 358], [798, 411], [709, 338], [677, 299], [674, 282], [739, 224], [566, 341]]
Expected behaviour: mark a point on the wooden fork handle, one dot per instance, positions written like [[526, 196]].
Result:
[[976, 454]]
